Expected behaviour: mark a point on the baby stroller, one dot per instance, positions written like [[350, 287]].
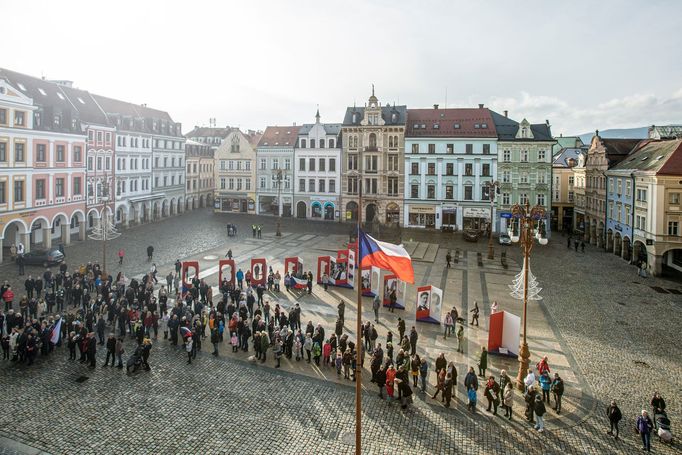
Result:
[[663, 424], [135, 360]]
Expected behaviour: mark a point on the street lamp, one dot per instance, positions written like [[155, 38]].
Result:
[[492, 191], [531, 226], [279, 203]]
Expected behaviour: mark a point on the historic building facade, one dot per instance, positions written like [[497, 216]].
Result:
[[274, 172], [450, 158], [524, 166], [564, 187], [601, 156], [644, 207], [199, 175], [317, 171], [373, 140], [42, 163], [235, 172]]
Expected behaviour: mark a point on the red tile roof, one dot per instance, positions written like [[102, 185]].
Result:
[[673, 165], [451, 123], [279, 136]]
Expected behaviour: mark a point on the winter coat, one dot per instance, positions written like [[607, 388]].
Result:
[[545, 382], [558, 386], [471, 379], [614, 414], [508, 396], [539, 408], [483, 360], [644, 424]]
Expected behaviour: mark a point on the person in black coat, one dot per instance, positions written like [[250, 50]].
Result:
[[380, 379], [111, 350], [92, 349], [615, 416]]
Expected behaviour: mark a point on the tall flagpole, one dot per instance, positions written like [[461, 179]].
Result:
[[358, 367]]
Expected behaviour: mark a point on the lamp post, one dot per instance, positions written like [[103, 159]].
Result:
[[279, 203], [528, 231], [492, 191]]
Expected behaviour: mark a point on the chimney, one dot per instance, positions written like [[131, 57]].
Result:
[[547, 122], [480, 106], [294, 123], [435, 106], [506, 113]]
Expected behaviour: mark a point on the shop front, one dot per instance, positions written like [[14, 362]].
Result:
[[476, 218], [231, 203], [448, 217], [421, 216]]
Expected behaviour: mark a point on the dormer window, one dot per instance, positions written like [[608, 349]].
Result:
[[456, 126], [484, 125], [436, 126], [477, 126], [61, 97], [42, 92], [21, 86]]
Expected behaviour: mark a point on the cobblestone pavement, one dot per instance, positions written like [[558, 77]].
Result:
[[200, 408]]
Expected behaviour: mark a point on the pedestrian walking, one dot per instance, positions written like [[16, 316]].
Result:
[[341, 307], [376, 304], [644, 426], [150, 253], [414, 336], [20, 264], [448, 259], [482, 362], [460, 339], [423, 373], [614, 415], [449, 325], [121, 254], [582, 246], [475, 311]]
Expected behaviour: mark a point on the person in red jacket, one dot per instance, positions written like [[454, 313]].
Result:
[[543, 366], [8, 297]]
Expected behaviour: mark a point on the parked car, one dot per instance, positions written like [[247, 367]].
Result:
[[44, 257], [471, 235], [505, 239]]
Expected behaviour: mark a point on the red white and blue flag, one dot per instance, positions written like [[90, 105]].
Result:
[[386, 256], [56, 332]]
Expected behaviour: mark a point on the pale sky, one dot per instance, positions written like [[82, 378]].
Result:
[[584, 65]]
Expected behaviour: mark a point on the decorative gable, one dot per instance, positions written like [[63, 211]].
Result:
[[9, 93], [524, 131]]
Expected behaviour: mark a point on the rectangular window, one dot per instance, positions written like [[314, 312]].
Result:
[[311, 164], [275, 163], [523, 198], [619, 187], [541, 177], [505, 199], [352, 185], [468, 169], [524, 178], [301, 164], [449, 192], [59, 187], [287, 164], [371, 186], [352, 162], [322, 166], [392, 186], [239, 184], [332, 186], [449, 169], [371, 163], [321, 186], [311, 185], [486, 149], [77, 186], [469, 149], [468, 192], [415, 169], [230, 184], [485, 193], [571, 181], [40, 189], [541, 155], [3, 152], [301, 185], [431, 169], [41, 153], [247, 184], [414, 191], [3, 116], [431, 191], [18, 191], [393, 163], [222, 183], [332, 164], [485, 170], [571, 196], [506, 156], [263, 164], [506, 177], [641, 195], [19, 154], [19, 121], [674, 198], [673, 228], [541, 199], [415, 148], [450, 148], [230, 165], [60, 154], [77, 154], [432, 148], [3, 192], [524, 156]]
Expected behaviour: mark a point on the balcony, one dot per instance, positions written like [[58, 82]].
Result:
[[371, 148]]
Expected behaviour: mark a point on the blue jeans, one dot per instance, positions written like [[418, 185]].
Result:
[[423, 383], [646, 440], [539, 422]]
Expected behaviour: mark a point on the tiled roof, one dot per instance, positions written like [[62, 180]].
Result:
[[386, 113], [450, 123], [202, 131], [664, 157], [90, 111], [279, 136], [141, 116], [618, 147], [507, 129], [329, 128]]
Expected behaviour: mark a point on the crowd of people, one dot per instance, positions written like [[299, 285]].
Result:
[[79, 308]]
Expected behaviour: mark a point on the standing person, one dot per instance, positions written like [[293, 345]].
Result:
[[614, 415], [413, 340], [150, 253], [92, 349], [447, 388], [20, 264], [380, 380], [483, 362], [401, 329], [121, 254], [111, 350], [539, 408], [657, 405], [376, 304], [189, 348], [543, 366], [448, 259], [557, 391], [470, 380], [475, 312], [342, 311], [644, 426], [508, 400], [582, 246], [545, 385], [460, 339], [215, 339], [492, 394], [393, 300], [119, 352], [325, 280], [447, 322], [423, 373]]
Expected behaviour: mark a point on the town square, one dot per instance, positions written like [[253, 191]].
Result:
[[214, 247]]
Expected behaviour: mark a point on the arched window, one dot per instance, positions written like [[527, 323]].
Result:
[[312, 143], [372, 140], [390, 141], [303, 143], [331, 143], [321, 143]]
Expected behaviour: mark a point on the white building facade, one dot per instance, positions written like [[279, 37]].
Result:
[[275, 172]]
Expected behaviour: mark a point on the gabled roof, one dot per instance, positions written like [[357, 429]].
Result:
[[664, 157], [90, 111], [114, 106], [507, 129], [386, 113], [466, 122], [202, 131], [568, 153], [569, 141], [618, 147], [329, 128], [279, 136]]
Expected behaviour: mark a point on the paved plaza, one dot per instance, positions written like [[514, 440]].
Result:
[[609, 334]]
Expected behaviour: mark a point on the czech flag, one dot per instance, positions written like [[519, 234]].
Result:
[[386, 256]]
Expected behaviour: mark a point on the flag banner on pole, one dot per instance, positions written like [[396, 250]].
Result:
[[298, 283], [56, 332], [386, 256]]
